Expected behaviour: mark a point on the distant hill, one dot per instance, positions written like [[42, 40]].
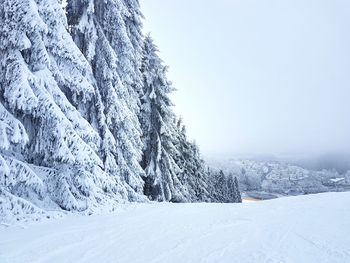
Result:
[[257, 177]]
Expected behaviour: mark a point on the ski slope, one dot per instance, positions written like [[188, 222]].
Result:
[[314, 228]]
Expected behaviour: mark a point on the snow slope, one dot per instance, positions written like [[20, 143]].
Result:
[[313, 228]]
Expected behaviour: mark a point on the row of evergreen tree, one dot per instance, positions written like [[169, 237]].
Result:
[[85, 114]]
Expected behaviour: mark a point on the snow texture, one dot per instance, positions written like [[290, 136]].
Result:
[[312, 228]]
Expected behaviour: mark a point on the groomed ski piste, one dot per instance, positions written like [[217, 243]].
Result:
[[311, 228]]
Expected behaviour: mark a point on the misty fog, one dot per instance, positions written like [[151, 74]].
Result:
[[262, 78]]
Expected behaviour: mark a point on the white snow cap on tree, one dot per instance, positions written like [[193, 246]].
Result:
[[85, 113]]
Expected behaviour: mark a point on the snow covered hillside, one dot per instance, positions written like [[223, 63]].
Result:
[[86, 118], [273, 178], [313, 228]]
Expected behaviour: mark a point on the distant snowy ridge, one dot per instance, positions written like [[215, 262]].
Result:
[[281, 178]]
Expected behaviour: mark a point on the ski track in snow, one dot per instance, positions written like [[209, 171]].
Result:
[[314, 228]]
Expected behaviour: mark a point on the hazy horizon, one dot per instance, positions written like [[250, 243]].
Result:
[[258, 77]]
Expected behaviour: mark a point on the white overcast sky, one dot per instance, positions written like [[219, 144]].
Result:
[[258, 76]]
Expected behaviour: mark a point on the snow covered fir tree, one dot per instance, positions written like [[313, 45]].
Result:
[[85, 114]]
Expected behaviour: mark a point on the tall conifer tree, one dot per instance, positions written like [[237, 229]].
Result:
[[157, 122], [36, 52], [99, 30]]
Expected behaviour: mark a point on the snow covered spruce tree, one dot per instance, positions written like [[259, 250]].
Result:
[[17, 179], [223, 188], [174, 170], [38, 62], [161, 182], [194, 174], [237, 193], [99, 30], [75, 77], [133, 23]]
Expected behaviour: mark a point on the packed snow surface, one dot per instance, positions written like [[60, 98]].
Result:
[[314, 228]]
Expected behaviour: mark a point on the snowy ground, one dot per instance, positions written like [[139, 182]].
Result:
[[314, 228]]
